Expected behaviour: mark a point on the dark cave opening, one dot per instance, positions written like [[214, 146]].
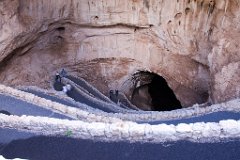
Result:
[[153, 93], [163, 97]]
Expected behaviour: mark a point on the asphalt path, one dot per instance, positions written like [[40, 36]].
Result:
[[96, 102], [18, 107], [18, 144], [85, 98], [89, 88], [74, 94], [67, 102], [8, 135], [210, 117], [64, 148], [52, 98], [97, 94], [79, 91]]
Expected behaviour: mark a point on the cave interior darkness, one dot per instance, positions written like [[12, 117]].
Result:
[[153, 94]]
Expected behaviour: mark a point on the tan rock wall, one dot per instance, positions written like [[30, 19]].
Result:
[[192, 43]]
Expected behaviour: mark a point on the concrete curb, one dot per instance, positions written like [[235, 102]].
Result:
[[124, 131], [233, 105], [72, 112]]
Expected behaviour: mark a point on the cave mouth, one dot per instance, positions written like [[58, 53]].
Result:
[[151, 92]]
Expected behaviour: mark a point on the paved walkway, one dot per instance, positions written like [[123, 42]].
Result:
[[16, 143], [18, 107], [63, 148]]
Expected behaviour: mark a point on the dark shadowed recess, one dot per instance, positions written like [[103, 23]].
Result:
[[163, 97], [63, 148], [158, 95]]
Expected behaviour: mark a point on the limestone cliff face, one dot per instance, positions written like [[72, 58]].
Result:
[[193, 44]]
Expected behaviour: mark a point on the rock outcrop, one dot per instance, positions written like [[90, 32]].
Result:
[[193, 44]]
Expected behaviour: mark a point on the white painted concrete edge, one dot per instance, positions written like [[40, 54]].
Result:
[[54, 106], [233, 105], [62, 95], [124, 131]]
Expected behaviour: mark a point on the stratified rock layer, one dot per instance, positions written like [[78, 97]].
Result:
[[193, 44]]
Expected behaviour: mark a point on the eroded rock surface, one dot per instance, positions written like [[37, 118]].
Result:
[[192, 44]]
